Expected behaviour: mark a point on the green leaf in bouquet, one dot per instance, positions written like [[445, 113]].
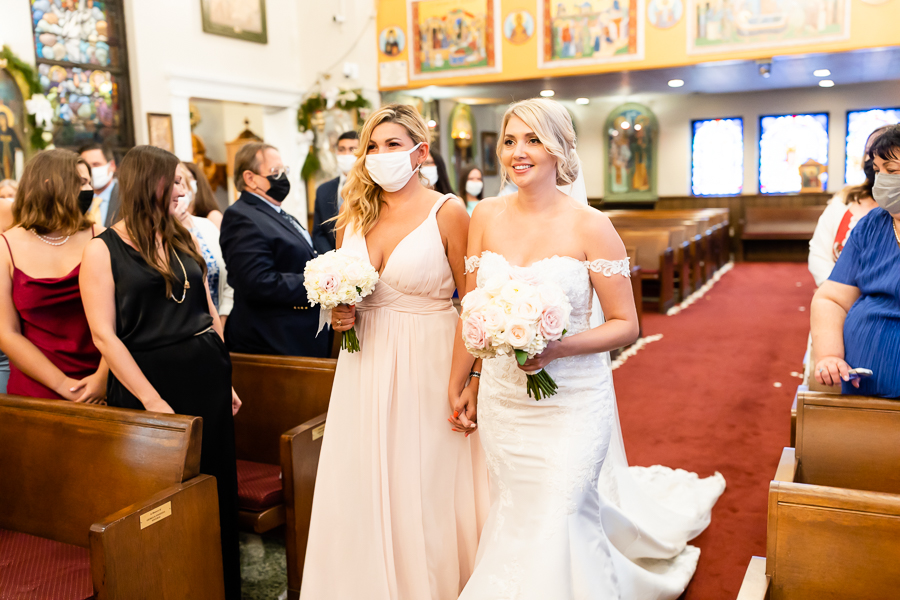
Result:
[[521, 357]]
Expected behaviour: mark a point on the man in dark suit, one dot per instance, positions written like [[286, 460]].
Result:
[[104, 210], [265, 251], [328, 195]]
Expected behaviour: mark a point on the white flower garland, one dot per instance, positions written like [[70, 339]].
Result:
[[634, 349], [702, 291]]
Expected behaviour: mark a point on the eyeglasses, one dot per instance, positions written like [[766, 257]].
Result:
[[278, 172]]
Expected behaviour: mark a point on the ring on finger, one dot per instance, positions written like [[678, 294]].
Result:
[[340, 322]]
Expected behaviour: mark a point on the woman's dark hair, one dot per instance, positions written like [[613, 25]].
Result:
[[887, 145], [464, 177], [443, 183], [863, 190], [204, 199], [146, 177], [47, 197]]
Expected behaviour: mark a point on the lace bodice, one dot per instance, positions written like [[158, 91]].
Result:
[[571, 274]]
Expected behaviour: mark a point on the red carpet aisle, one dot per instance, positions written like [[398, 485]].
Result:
[[703, 398]]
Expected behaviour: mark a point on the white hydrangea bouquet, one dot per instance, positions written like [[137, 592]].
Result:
[[336, 278], [516, 315]]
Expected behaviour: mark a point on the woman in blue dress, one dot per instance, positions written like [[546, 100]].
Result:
[[856, 313]]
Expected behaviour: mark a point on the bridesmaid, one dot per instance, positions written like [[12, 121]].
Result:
[[400, 499], [149, 307], [43, 328]]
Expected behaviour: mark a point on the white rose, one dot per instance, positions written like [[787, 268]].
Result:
[[519, 334]]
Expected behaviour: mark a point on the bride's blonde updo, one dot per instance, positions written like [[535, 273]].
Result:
[[362, 196], [552, 125]]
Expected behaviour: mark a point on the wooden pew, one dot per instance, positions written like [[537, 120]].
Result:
[[278, 393], [786, 225], [636, 290], [300, 449], [685, 241], [834, 505], [117, 491], [656, 258]]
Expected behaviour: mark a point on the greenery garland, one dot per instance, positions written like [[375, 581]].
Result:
[[346, 100], [26, 74]]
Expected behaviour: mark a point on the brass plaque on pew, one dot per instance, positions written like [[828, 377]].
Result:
[[318, 432], [156, 515]]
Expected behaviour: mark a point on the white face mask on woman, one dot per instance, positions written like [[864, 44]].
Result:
[[474, 187], [391, 170], [430, 173], [886, 192]]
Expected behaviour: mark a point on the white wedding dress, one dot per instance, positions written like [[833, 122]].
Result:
[[569, 519]]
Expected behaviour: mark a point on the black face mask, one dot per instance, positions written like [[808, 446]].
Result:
[[85, 199], [869, 170], [279, 187]]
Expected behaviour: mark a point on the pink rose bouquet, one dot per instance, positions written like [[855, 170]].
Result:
[[336, 278], [519, 316]]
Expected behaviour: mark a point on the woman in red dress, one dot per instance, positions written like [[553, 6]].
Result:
[[43, 328]]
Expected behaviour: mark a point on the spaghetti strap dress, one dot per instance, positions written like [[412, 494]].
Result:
[[186, 361], [51, 316]]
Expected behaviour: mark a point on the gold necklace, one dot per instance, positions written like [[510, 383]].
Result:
[[896, 233], [187, 284]]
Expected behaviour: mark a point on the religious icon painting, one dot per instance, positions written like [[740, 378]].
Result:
[[728, 26], [241, 19], [12, 123], [159, 128], [631, 138], [450, 38], [584, 32], [392, 41], [518, 27], [489, 166], [664, 14]]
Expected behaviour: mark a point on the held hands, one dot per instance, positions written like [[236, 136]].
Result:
[[832, 369], [235, 403], [91, 389], [553, 351], [343, 318], [464, 406]]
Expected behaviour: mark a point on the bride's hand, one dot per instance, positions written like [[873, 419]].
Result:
[[550, 353], [464, 407], [343, 318]]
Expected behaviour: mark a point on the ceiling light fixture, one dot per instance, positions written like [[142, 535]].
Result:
[[432, 124], [676, 83], [826, 83], [548, 93], [821, 73], [637, 126], [581, 101], [625, 124]]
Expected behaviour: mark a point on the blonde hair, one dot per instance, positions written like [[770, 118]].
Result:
[[362, 196], [552, 125]]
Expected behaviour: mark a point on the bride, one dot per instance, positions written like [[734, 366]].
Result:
[[568, 519]]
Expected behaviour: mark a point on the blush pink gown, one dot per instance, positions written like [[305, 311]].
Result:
[[400, 499]]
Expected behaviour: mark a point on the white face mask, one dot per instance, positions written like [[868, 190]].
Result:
[[886, 192], [345, 162], [184, 204], [194, 187], [429, 172], [474, 187], [391, 170], [100, 176]]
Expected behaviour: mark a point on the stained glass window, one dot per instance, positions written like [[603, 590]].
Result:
[[861, 123], [785, 143], [717, 157], [80, 48]]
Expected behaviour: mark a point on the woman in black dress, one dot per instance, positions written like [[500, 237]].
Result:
[[143, 282]]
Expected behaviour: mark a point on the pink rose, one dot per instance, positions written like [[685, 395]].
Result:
[[523, 274], [552, 325], [329, 282], [528, 309], [475, 333]]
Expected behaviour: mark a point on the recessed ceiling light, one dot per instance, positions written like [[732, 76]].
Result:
[[676, 83], [581, 101], [826, 83], [548, 93], [821, 73], [432, 124]]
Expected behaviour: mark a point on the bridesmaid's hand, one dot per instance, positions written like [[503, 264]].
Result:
[[464, 406], [158, 405], [550, 353], [832, 369], [235, 403], [343, 318], [91, 389], [67, 389]]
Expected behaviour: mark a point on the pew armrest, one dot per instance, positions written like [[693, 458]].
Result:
[[787, 466], [756, 582], [168, 546], [300, 449]]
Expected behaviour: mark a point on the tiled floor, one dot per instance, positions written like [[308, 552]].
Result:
[[263, 566]]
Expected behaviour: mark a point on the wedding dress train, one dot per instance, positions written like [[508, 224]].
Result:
[[569, 519]]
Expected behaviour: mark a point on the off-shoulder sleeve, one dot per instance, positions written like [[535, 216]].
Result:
[[610, 267], [472, 263]]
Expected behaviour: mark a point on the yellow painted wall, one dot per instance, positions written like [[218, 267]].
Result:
[[871, 26]]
